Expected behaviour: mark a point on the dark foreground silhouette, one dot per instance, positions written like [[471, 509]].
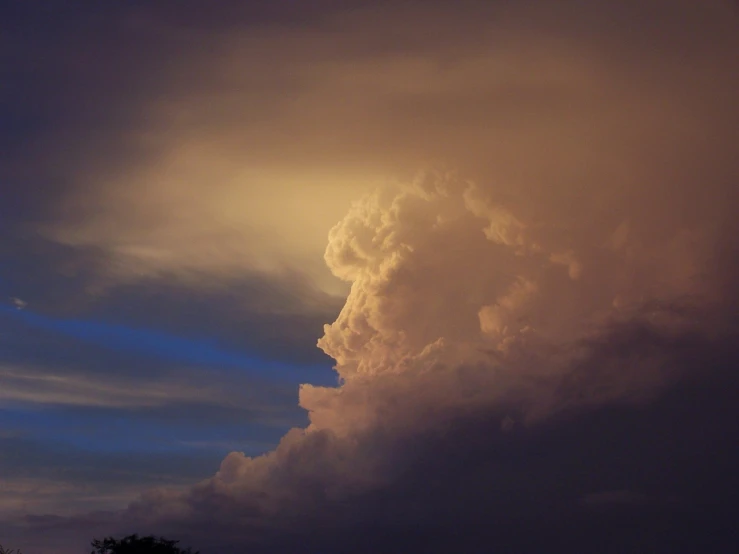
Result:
[[133, 544]]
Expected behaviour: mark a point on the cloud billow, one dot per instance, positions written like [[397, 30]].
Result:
[[461, 351]]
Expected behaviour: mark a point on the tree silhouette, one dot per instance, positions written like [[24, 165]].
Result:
[[133, 544], [3, 551]]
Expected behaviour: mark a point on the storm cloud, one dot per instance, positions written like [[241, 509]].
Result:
[[538, 345]]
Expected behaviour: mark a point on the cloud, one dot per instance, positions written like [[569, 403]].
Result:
[[613, 497], [573, 276], [243, 163], [166, 346], [39, 386], [272, 316], [20, 386], [43, 474], [447, 331]]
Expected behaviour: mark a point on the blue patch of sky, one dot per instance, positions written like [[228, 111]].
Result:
[[140, 430], [150, 342]]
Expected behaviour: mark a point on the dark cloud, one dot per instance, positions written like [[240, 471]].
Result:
[[270, 316], [76, 77], [613, 478], [275, 317], [99, 472], [55, 278]]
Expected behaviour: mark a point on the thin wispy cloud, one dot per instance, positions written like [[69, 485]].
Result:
[[28, 386]]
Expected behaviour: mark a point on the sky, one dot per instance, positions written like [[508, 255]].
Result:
[[370, 276]]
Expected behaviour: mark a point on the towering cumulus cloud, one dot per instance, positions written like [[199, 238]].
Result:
[[469, 317]]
